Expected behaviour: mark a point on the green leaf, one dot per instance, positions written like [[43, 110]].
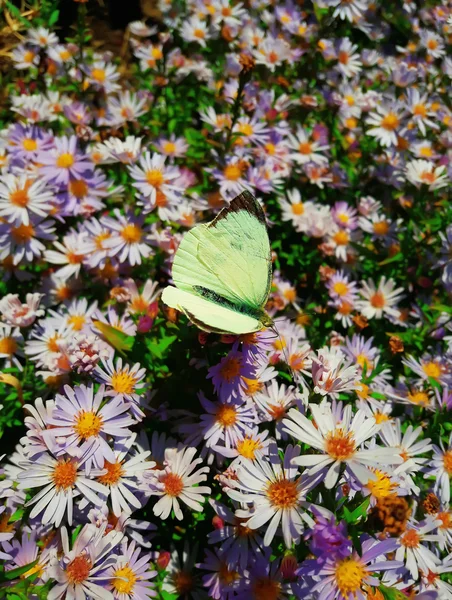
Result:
[[53, 18], [16, 516], [396, 258], [118, 339], [360, 511], [391, 593], [16, 573]]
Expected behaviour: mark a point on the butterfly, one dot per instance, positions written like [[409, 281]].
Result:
[[222, 271]]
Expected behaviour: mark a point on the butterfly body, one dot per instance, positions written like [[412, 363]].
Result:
[[222, 271]]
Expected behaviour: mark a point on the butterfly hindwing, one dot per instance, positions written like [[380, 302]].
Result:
[[208, 315]]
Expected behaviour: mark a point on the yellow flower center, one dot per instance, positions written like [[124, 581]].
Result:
[[29, 144], [283, 494], [113, 474], [432, 44], [298, 208], [245, 128], [247, 447], [340, 445], [64, 475], [226, 415], [8, 345], [155, 177], [123, 382], [390, 122], [232, 172], [169, 148], [29, 56], [381, 227], [349, 575], [230, 368], [88, 424], [380, 417], [65, 160], [199, 33], [420, 110], [124, 580], [77, 322], [252, 386], [381, 487], [131, 233], [341, 238], [420, 398], [270, 148], [157, 53], [426, 151], [340, 288], [432, 369], [98, 75], [100, 238], [173, 484]]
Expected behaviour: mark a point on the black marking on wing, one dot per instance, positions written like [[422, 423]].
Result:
[[200, 324], [244, 201], [218, 299]]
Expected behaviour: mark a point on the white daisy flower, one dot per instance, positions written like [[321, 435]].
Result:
[[381, 300]]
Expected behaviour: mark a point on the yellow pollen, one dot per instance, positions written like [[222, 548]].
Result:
[[78, 570], [73, 258], [381, 227], [432, 44], [29, 144], [349, 575], [343, 57], [155, 177], [290, 294], [123, 382], [381, 487], [139, 304], [77, 322], [420, 110], [446, 520], [298, 208], [64, 475], [245, 128], [340, 288], [410, 539], [283, 494], [420, 398], [252, 386], [113, 474], [340, 445], [22, 234], [232, 172], [364, 391], [98, 75], [8, 345], [343, 217], [362, 360], [100, 238], [52, 343], [88, 424], [29, 56], [390, 122], [341, 238], [426, 151], [173, 484], [345, 308], [279, 344], [270, 148], [65, 55], [65, 160], [381, 417], [124, 580], [432, 369], [447, 460], [428, 177], [226, 415], [131, 233], [78, 188], [378, 300], [247, 447], [169, 148], [199, 33], [157, 54]]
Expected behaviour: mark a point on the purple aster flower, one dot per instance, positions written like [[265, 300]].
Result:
[[26, 141], [220, 582], [64, 161], [129, 577], [327, 536], [227, 376]]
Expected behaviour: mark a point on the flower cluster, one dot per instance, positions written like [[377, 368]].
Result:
[[312, 460]]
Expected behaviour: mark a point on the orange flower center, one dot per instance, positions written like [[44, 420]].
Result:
[[123, 382], [340, 445], [232, 172], [78, 188], [265, 588], [283, 494], [410, 539], [78, 570], [8, 345], [113, 474], [340, 288], [378, 300], [29, 144], [381, 227], [390, 122], [64, 475], [73, 258], [252, 386], [155, 177], [341, 238], [173, 484], [298, 208], [22, 234], [305, 148], [183, 582], [226, 415], [230, 368], [131, 233], [98, 75], [447, 460], [19, 197], [432, 369], [420, 110]]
